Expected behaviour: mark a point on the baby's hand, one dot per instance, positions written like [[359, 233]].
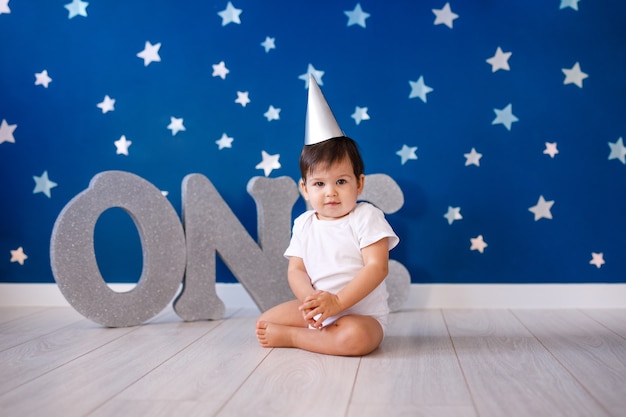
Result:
[[319, 306]]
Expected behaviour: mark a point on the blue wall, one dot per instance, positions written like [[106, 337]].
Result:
[[61, 130]]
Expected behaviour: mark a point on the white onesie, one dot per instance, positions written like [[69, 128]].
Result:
[[331, 251]]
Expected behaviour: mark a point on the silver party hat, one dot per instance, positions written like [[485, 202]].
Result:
[[320, 121]]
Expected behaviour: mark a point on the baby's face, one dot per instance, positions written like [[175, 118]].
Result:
[[333, 190]]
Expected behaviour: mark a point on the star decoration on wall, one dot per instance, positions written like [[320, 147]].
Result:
[[419, 89], [500, 61], [107, 105], [542, 209], [472, 158], [316, 73], [150, 53], [618, 151], [478, 243], [42, 78], [597, 259], [220, 70], [445, 16], [357, 16], [505, 117], [453, 213], [569, 3], [406, 153], [360, 114], [6, 132], [242, 98], [230, 15], [224, 142], [269, 44], [176, 125], [4, 7], [18, 255], [272, 113], [551, 149], [43, 184], [122, 145], [269, 163], [574, 75], [76, 8]]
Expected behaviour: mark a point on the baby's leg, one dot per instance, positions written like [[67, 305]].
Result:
[[351, 335]]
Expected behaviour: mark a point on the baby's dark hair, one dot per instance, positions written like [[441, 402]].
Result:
[[329, 152]]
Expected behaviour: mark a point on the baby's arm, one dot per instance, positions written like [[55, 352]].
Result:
[[375, 269], [300, 282]]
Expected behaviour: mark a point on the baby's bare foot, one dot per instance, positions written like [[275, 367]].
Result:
[[273, 335]]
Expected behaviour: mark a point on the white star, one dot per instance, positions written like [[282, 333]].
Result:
[[18, 255], [445, 16], [360, 114], [150, 53], [107, 105], [551, 149], [316, 73], [42, 78], [43, 184], [77, 7], [454, 213], [569, 3], [4, 7], [500, 60], [505, 116], [574, 75], [242, 98], [357, 16], [268, 163], [406, 153], [272, 114], [419, 89], [176, 125], [6, 132], [122, 145], [478, 244], [597, 259], [618, 151], [220, 70], [542, 209], [224, 142], [230, 14], [268, 44], [472, 158]]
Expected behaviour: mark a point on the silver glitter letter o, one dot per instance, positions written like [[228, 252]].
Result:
[[73, 257]]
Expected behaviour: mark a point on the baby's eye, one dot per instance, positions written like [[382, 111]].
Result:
[[341, 181], [318, 184]]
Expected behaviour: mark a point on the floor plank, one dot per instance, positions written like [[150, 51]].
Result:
[[202, 377], [509, 372], [592, 353], [414, 372], [614, 319], [292, 382], [12, 313], [83, 384]]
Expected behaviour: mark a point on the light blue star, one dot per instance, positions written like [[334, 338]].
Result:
[[406, 153], [43, 184], [569, 3], [618, 151], [230, 15], [76, 8], [357, 16], [316, 73], [505, 116], [268, 43], [360, 114], [419, 89]]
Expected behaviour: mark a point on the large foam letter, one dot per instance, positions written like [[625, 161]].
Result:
[[73, 256], [211, 227]]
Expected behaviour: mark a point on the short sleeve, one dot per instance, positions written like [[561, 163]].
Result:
[[371, 226]]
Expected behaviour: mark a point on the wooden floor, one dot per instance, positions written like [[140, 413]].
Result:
[[432, 363]]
